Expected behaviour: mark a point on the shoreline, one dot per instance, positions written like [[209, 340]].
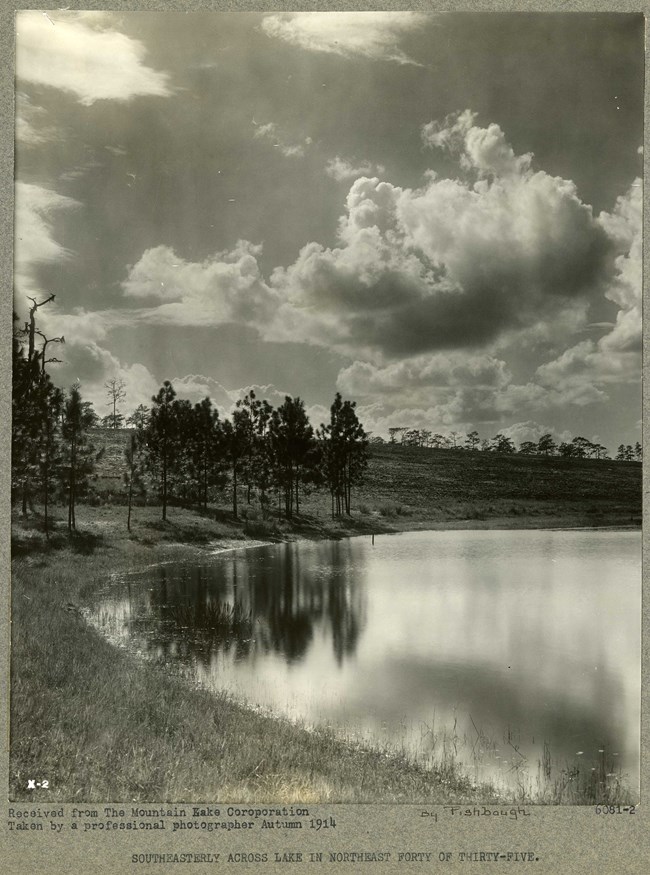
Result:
[[80, 700]]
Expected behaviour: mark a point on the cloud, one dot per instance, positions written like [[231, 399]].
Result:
[[83, 55], [227, 287], [340, 169], [270, 132], [483, 149], [423, 374], [196, 387], [428, 289], [31, 127], [373, 35], [453, 264], [456, 264], [92, 365], [615, 358], [34, 240], [532, 431]]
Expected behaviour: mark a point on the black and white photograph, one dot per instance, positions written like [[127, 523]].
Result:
[[326, 444]]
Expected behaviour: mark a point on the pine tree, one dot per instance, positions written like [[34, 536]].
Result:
[[161, 440], [134, 474], [205, 449], [79, 458], [50, 446], [292, 439], [344, 453], [116, 393]]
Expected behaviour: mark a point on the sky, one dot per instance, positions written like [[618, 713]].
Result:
[[437, 215]]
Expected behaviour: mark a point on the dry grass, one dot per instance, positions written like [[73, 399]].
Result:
[[101, 725]]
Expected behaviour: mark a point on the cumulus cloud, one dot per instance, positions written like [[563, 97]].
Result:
[[428, 289], [92, 365], [452, 264], [530, 430], [83, 55], [35, 243], [428, 373], [270, 131], [227, 287], [341, 169], [485, 150], [196, 387], [373, 35], [592, 366], [456, 264]]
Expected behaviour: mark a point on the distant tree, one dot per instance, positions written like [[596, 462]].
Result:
[[582, 447], [376, 441], [140, 417], [116, 393], [638, 452], [528, 448], [411, 438], [393, 432], [453, 436], [625, 453], [566, 449], [546, 446], [486, 446], [135, 469], [600, 452], [79, 458], [472, 440], [502, 444], [110, 419]]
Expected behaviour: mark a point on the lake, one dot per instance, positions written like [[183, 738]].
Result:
[[516, 651]]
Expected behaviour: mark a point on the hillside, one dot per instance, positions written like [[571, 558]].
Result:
[[406, 487]]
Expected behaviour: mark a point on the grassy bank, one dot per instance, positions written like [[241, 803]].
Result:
[[101, 724], [417, 487]]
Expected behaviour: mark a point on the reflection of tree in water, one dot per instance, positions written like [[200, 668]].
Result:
[[259, 602]]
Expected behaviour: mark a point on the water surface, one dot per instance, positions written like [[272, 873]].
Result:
[[504, 647]]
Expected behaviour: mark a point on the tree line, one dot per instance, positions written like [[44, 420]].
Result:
[[190, 452], [577, 448], [182, 452]]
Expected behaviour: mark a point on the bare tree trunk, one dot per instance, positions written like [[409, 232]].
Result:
[[128, 518], [164, 476], [71, 493]]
